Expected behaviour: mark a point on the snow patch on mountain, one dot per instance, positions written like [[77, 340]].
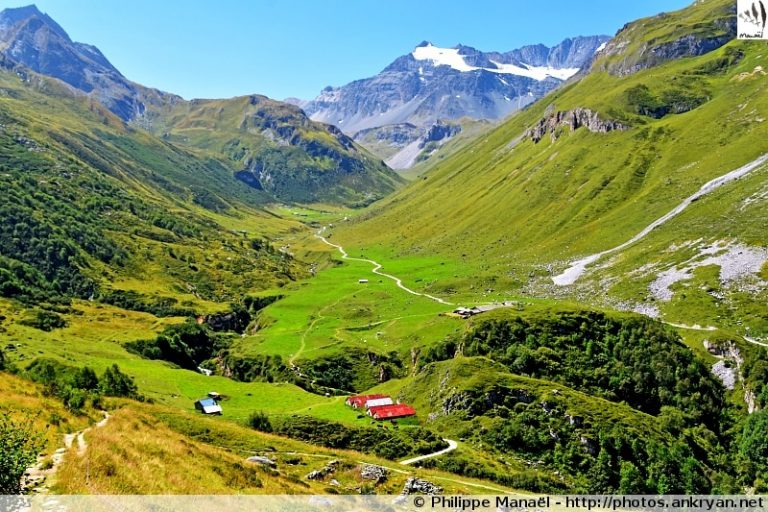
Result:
[[442, 57], [452, 58]]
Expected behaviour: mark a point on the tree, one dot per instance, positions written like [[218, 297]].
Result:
[[631, 480], [85, 378], [116, 383], [753, 445], [601, 473], [19, 446]]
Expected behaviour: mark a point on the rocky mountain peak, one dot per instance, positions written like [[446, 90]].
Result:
[[432, 83], [32, 39]]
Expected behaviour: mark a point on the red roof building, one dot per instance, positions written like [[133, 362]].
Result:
[[358, 401], [391, 412]]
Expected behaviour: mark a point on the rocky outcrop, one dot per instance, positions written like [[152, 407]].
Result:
[[573, 119], [728, 370], [751, 400], [398, 135], [326, 470], [575, 421], [262, 461], [726, 373], [440, 131], [417, 485], [589, 446], [235, 321], [476, 402], [376, 473]]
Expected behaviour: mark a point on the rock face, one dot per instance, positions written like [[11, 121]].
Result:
[[402, 145], [726, 374], [33, 39], [439, 132], [232, 321], [396, 135], [433, 83], [574, 119]]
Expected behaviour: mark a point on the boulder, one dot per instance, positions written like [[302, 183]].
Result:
[[417, 485], [375, 473], [263, 461]]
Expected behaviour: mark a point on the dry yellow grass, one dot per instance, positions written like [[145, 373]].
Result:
[[150, 449], [136, 454], [24, 399]]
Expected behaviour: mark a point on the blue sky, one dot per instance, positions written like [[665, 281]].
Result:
[[283, 48]]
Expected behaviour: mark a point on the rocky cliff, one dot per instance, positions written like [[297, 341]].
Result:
[[573, 119]]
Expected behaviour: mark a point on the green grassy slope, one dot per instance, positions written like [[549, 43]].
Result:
[[90, 205], [276, 148], [520, 391], [509, 212]]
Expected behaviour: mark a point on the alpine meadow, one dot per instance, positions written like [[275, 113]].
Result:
[[532, 270]]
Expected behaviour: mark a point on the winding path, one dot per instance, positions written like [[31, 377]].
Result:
[[376, 270], [451, 446], [754, 341], [37, 480], [708, 328], [578, 267]]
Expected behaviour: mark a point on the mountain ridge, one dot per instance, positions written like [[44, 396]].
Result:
[[424, 85], [318, 166]]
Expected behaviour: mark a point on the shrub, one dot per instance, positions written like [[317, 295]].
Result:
[[391, 444], [19, 446], [44, 320], [258, 420]]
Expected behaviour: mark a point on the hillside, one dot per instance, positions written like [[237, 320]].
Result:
[[515, 206], [91, 206], [150, 449], [272, 145], [582, 392]]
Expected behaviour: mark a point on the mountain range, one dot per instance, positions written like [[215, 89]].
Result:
[[433, 84]]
